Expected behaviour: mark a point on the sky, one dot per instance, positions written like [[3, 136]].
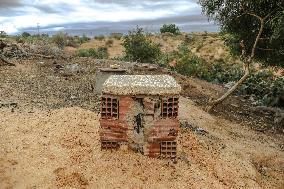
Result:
[[100, 16]]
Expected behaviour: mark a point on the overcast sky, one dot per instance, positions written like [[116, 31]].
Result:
[[101, 15]]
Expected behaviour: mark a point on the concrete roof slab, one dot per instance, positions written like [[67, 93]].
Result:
[[141, 85]]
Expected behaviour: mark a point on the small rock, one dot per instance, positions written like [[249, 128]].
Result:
[[114, 66], [200, 131], [73, 97]]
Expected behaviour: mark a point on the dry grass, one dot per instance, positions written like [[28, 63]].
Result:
[[205, 45]]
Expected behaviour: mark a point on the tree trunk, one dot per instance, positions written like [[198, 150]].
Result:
[[247, 63], [214, 103]]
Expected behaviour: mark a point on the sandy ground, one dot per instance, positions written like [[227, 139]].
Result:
[[60, 149]]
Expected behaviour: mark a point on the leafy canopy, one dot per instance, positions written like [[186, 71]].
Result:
[[234, 17]]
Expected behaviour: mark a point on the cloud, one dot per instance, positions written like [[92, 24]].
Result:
[[16, 15], [9, 3]]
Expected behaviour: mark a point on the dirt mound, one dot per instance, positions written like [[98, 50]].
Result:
[[60, 148]]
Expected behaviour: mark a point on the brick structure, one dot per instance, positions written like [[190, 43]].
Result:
[[140, 111]]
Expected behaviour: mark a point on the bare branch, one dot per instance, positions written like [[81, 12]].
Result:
[[255, 15]]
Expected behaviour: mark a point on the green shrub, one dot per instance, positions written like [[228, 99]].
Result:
[[188, 38], [100, 37], [222, 72], [33, 39], [72, 41], [26, 34], [191, 65], [116, 36], [139, 48], [186, 63], [84, 39], [101, 53], [84, 52], [60, 39], [166, 58], [170, 28], [3, 34], [63, 39], [265, 87], [44, 35], [276, 93]]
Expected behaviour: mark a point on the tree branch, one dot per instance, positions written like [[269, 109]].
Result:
[[247, 63]]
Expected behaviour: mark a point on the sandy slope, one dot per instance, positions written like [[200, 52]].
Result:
[[60, 148]]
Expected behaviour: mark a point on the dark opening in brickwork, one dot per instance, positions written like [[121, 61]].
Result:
[[109, 107], [109, 145], [168, 149], [170, 107]]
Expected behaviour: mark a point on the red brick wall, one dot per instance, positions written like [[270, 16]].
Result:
[[164, 129], [116, 129], [152, 149]]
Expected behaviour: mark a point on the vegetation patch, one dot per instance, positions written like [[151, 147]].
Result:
[[116, 36], [140, 48], [262, 85], [170, 28], [99, 37], [100, 53]]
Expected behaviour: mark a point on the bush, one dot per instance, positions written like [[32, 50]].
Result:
[[63, 39], [26, 34], [44, 35], [60, 39], [264, 87], [186, 63], [116, 36], [100, 37], [188, 38], [33, 39], [191, 65], [139, 48], [84, 39], [87, 53], [101, 53], [222, 72], [3, 34], [170, 28]]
